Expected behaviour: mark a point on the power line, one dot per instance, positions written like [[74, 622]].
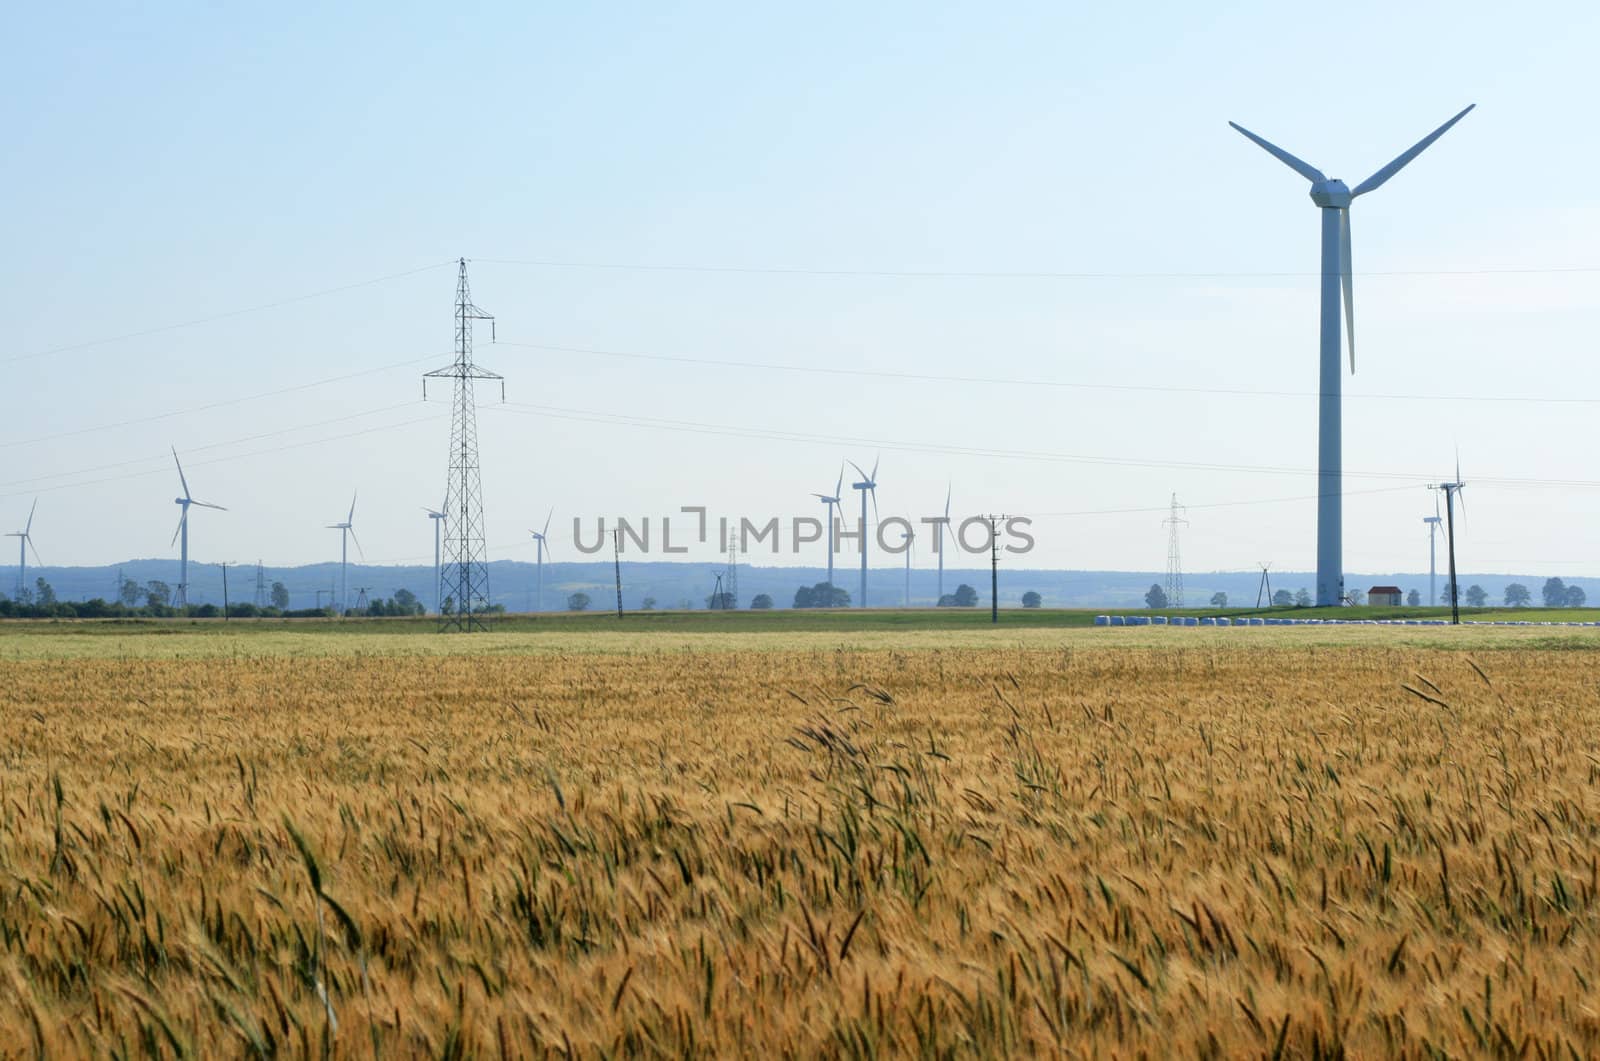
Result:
[[694, 427], [926, 377], [1014, 274], [224, 315]]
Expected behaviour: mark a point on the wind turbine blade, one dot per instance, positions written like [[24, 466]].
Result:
[[547, 520], [838, 486], [1349, 285], [359, 551], [859, 472], [181, 520], [207, 504], [351, 518], [875, 462], [181, 479], [34, 551], [1374, 182], [1305, 169], [947, 503], [29, 527], [873, 490]]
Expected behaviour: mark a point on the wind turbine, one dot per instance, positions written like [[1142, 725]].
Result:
[[1433, 522], [943, 526], [831, 502], [540, 538], [438, 517], [347, 533], [910, 546], [1334, 198], [183, 531], [24, 543], [867, 485], [1450, 492]]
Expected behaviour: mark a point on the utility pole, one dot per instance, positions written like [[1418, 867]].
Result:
[[465, 576], [717, 600], [994, 566], [1264, 587], [224, 591], [733, 565], [1174, 562], [616, 556]]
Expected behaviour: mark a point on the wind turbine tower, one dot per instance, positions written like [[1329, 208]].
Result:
[[24, 543], [832, 502], [540, 540], [465, 571], [1333, 197], [1433, 522], [1451, 490], [867, 485], [183, 531], [1174, 561], [347, 533], [437, 515]]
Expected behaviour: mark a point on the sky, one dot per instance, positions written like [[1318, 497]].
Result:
[[1012, 251]]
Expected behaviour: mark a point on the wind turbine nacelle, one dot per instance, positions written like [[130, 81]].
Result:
[[1331, 194]]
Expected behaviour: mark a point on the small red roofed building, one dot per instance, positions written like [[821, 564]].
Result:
[[1385, 596]]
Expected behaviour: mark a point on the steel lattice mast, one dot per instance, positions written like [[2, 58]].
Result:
[[464, 574], [1174, 559]]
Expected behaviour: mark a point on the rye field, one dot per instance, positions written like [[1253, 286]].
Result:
[[704, 842]]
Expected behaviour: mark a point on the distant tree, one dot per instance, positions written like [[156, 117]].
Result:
[[1031, 599], [1302, 599], [1156, 597], [128, 592], [406, 603], [577, 602], [822, 595], [761, 601], [1476, 597], [157, 594], [947, 601], [1413, 598], [966, 596], [280, 596], [1282, 599], [648, 604], [1575, 597], [1356, 597], [1450, 596], [1219, 600], [1517, 595], [43, 594], [1555, 593], [447, 606]]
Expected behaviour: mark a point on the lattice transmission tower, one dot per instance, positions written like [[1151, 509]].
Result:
[[464, 571], [1174, 559], [261, 585]]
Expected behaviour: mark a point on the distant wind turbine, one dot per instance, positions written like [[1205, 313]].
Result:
[[1433, 522], [1334, 198], [183, 531], [347, 533], [438, 517], [540, 538], [831, 502], [24, 543], [910, 548], [867, 485], [943, 527]]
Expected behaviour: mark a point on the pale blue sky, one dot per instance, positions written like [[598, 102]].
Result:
[[169, 166]]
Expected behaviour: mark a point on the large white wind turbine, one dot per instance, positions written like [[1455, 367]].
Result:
[[943, 527], [540, 537], [438, 517], [347, 533], [1334, 198], [831, 502], [183, 531], [867, 485], [24, 543]]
